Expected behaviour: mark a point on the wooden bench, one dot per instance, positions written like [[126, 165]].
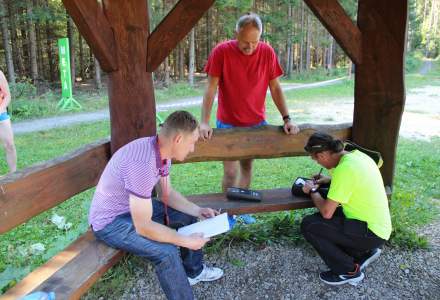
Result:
[[73, 271]]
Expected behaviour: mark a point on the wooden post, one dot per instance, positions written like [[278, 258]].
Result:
[[131, 93], [379, 82]]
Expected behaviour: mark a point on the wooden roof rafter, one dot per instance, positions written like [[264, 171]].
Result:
[[91, 21], [334, 18], [172, 29]]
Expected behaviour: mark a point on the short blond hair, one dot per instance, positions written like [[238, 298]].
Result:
[[179, 121]]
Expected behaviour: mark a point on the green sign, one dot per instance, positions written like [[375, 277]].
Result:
[[67, 102]]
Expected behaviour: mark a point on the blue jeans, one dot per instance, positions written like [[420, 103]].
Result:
[[172, 269]]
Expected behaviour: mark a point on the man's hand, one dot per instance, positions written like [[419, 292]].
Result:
[[195, 241], [205, 131], [290, 128], [206, 213]]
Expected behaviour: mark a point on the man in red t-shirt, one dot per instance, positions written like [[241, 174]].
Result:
[[242, 69]]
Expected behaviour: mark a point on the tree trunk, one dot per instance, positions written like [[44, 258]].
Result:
[[33, 43], [208, 33], [6, 45], [49, 37], [70, 28], [289, 41], [98, 81], [17, 45], [192, 58], [330, 53], [181, 61], [40, 46], [301, 45], [167, 79], [81, 56], [309, 38]]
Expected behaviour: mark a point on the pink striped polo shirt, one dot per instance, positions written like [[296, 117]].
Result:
[[133, 169]]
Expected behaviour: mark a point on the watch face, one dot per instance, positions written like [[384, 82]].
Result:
[[313, 190]]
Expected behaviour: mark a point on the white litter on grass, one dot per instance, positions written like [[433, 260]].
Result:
[[22, 250], [37, 248], [60, 222]]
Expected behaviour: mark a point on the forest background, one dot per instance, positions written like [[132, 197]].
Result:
[[30, 30]]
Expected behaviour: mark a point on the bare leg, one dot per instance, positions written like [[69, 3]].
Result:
[[7, 140], [230, 172], [245, 173]]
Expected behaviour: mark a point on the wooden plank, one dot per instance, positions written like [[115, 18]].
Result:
[[379, 80], [263, 142], [31, 191], [78, 275], [131, 93], [89, 17], [34, 190], [334, 18], [173, 28], [273, 200], [69, 273]]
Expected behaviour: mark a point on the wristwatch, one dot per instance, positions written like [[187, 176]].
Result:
[[286, 118]]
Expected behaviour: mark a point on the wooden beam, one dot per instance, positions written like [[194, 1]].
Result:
[[89, 17], [264, 142], [173, 28], [379, 80], [273, 200], [34, 190], [333, 16], [131, 93], [31, 191], [71, 272]]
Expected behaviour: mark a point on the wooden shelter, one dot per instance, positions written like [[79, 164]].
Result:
[[118, 33]]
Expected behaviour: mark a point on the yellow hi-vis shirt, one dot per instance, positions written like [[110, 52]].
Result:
[[357, 184]]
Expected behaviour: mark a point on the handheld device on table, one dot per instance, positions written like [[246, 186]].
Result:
[[237, 194]]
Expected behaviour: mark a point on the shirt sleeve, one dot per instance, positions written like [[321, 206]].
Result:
[[275, 68], [139, 179], [214, 66], [342, 185]]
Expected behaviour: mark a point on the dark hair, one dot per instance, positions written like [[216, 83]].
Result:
[[179, 121], [320, 141]]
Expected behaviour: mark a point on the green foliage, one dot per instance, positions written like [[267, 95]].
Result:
[[411, 207], [413, 62], [318, 74]]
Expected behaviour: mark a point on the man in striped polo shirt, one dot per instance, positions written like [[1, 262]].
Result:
[[124, 215]]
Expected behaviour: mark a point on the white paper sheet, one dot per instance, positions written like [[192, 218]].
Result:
[[209, 227]]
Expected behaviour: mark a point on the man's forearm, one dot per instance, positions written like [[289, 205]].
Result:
[[208, 100], [180, 203], [279, 100], [161, 233]]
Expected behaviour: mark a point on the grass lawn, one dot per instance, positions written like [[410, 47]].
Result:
[[412, 204]]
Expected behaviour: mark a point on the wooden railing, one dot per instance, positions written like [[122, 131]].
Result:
[[34, 190]]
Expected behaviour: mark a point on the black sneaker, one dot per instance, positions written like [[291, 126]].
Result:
[[369, 258], [352, 278]]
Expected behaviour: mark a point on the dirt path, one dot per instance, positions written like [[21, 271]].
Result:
[[69, 120]]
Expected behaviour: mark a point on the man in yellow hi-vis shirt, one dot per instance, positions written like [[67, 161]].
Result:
[[354, 220]]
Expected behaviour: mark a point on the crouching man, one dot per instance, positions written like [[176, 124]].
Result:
[[124, 215], [354, 220]]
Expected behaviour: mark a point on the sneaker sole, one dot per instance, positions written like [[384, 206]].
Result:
[[372, 259], [353, 281], [205, 280]]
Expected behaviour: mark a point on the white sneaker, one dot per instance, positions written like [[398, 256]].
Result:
[[207, 274]]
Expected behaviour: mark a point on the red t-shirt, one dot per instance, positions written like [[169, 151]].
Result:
[[243, 83]]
